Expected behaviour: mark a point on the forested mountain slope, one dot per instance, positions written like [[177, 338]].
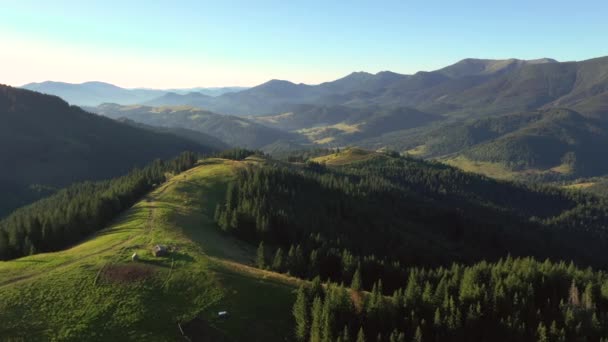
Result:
[[53, 144], [231, 130], [379, 223], [342, 125], [553, 143]]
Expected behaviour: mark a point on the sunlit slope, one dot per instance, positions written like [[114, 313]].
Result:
[[94, 291], [347, 156]]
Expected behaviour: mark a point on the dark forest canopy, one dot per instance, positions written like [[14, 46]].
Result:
[[388, 212], [389, 230], [510, 300]]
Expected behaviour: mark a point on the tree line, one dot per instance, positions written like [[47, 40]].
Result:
[[79, 210]]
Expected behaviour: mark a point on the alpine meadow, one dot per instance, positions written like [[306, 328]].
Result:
[[310, 172]]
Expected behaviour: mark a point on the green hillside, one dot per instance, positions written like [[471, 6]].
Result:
[[363, 218], [342, 125], [547, 144], [53, 144], [94, 291], [231, 130]]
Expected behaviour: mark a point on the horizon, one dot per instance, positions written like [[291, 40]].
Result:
[[169, 45], [278, 79]]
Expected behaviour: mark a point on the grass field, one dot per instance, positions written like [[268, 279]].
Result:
[[417, 151], [494, 170], [579, 186], [94, 292], [347, 156]]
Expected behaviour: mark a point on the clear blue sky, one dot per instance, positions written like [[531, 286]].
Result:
[[212, 43]]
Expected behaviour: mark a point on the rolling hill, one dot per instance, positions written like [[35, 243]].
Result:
[[54, 144], [196, 136], [553, 143], [231, 130], [94, 291], [342, 125]]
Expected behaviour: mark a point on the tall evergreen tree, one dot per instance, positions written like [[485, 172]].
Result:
[[356, 282], [361, 335], [261, 256], [317, 320], [300, 313]]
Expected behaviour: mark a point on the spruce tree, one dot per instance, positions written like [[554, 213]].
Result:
[[327, 321], [261, 256], [277, 263], [300, 314], [418, 335], [541, 333], [361, 335], [316, 325], [356, 282]]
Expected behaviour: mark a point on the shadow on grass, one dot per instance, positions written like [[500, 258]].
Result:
[[199, 329]]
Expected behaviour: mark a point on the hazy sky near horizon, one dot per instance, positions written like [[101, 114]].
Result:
[[179, 44]]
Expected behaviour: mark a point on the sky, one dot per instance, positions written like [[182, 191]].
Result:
[[182, 44]]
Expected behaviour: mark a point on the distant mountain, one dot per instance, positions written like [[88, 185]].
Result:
[[93, 93], [477, 67], [469, 88], [96, 93], [194, 99], [231, 130], [211, 91], [53, 144]]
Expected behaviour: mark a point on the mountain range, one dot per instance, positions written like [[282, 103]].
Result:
[[330, 243], [541, 117], [96, 93], [471, 87]]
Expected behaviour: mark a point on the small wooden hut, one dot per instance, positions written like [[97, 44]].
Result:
[[159, 250]]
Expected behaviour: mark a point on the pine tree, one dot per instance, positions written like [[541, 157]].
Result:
[[261, 256], [360, 335], [345, 334], [541, 333], [356, 282], [418, 335], [574, 298], [316, 325], [300, 314], [588, 300], [327, 322], [277, 263]]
